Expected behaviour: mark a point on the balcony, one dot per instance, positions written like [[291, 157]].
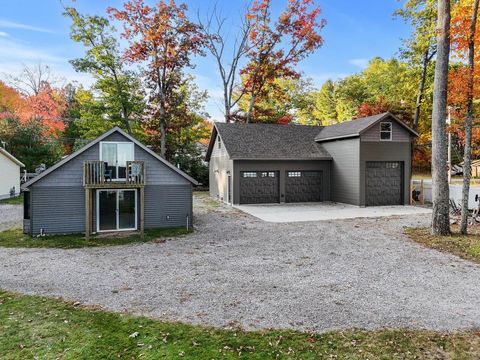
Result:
[[97, 175]]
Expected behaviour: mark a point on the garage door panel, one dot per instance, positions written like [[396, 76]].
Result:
[[259, 187], [383, 183], [303, 186]]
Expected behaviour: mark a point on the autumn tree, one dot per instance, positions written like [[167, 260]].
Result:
[[32, 79], [276, 48], [227, 53], [118, 86], [163, 40], [440, 188], [420, 49], [325, 104]]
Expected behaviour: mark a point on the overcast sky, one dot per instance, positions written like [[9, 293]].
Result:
[[33, 31]]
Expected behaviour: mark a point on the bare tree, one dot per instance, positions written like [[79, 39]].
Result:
[[467, 156], [32, 79], [217, 41], [440, 188]]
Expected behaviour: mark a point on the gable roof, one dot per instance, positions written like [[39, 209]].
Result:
[[96, 141], [11, 157], [268, 142], [354, 128]]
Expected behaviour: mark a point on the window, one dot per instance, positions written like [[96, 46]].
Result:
[[249, 174], [219, 143], [115, 155], [385, 131], [294, 174], [271, 174]]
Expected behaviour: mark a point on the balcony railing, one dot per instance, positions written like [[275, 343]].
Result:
[[96, 174]]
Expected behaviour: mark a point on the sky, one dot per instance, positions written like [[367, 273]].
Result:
[[33, 31]]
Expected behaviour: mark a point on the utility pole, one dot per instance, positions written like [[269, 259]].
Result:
[[449, 161]]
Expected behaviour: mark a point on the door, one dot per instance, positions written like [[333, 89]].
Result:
[[383, 183], [116, 155], [303, 186], [259, 187], [116, 210]]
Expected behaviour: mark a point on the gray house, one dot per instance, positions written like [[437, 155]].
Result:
[[362, 162], [114, 183]]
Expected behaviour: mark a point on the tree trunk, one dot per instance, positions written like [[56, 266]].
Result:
[[467, 156], [421, 88], [250, 107], [440, 188]]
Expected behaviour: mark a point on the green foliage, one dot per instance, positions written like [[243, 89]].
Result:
[[34, 326], [29, 143], [16, 200], [118, 89], [325, 104], [14, 238]]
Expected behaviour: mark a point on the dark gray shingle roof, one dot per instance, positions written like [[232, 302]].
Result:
[[354, 128], [348, 128], [271, 141]]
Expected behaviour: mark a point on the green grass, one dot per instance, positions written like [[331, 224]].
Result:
[[14, 238], [17, 200], [464, 246], [38, 327]]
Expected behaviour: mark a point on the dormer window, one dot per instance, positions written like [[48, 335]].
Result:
[[385, 131]]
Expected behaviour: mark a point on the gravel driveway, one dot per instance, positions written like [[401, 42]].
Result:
[[10, 216], [236, 270]]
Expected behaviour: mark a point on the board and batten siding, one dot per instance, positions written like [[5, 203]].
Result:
[[386, 151], [219, 166], [58, 199], [9, 176], [399, 133], [345, 170]]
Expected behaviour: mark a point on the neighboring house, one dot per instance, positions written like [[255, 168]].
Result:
[[9, 174], [114, 183], [362, 162]]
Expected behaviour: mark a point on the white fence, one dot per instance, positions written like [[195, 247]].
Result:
[[455, 192]]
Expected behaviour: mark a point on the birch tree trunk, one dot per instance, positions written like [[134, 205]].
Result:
[[467, 155], [440, 188]]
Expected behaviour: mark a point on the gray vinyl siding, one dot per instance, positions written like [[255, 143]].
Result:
[[173, 201], [58, 210], [399, 133], [219, 166], [345, 170], [58, 199], [386, 151], [282, 167]]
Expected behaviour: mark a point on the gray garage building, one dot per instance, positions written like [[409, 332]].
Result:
[[363, 162]]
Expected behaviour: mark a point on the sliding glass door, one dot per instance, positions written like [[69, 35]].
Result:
[[116, 210], [115, 155]]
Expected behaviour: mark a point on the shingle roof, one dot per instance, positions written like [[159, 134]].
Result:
[[354, 128], [270, 142]]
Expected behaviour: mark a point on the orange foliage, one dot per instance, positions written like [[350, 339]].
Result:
[[47, 106]]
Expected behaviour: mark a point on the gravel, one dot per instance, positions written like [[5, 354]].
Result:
[[10, 216], [237, 271]]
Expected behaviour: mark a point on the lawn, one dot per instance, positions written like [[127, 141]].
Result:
[[17, 200], [464, 246], [37, 327], [14, 238]]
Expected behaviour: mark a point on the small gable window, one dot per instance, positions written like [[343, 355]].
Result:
[[385, 131], [219, 143]]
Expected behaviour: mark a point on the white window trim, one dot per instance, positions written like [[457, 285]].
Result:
[[390, 132], [97, 210], [117, 142]]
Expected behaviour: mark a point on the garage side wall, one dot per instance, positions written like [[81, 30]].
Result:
[[345, 170], [386, 151], [282, 167], [218, 168]]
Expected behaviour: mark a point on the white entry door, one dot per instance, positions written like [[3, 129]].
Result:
[[116, 210]]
